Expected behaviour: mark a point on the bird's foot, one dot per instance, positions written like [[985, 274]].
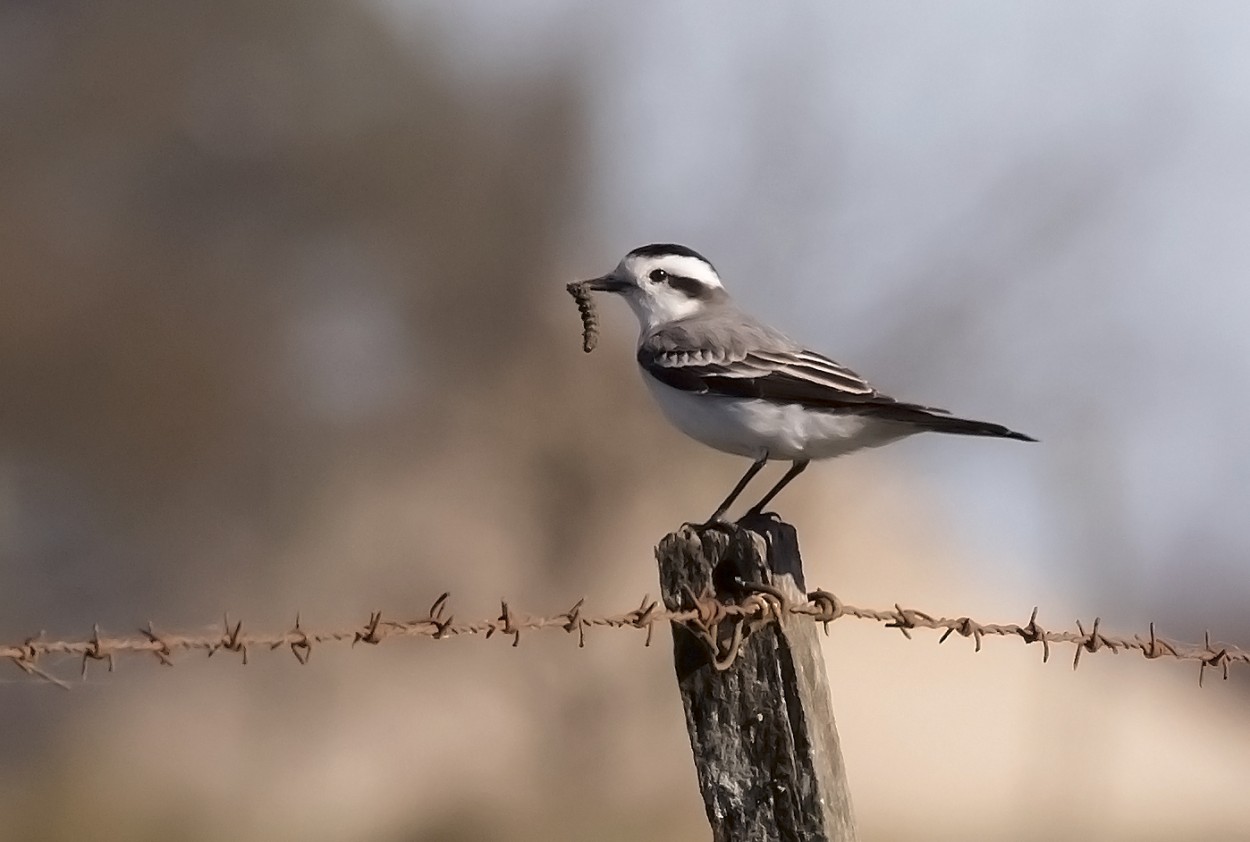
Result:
[[758, 513], [716, 523]]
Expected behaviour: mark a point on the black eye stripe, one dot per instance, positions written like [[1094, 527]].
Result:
[[691, 287]]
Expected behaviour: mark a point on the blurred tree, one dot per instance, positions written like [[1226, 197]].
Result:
[[243, 243]]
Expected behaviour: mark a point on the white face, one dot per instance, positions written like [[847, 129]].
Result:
[[666, 287]]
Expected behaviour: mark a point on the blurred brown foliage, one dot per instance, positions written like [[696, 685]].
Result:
[[244, 244], [267, 272]]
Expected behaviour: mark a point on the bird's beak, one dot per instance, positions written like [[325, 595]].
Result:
[[608, 283]]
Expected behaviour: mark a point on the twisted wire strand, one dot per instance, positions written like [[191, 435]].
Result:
[[721, 626]]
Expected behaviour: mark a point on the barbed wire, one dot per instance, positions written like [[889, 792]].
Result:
[[706, 618]]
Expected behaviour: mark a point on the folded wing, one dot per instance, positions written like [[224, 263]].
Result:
[[748, 360], [770, 371]]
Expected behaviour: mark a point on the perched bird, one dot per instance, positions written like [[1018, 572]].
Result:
[[726, 379]]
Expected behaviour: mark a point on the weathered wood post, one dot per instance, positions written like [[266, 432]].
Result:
[[762, 731]]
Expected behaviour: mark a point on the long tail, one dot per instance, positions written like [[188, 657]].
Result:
[[927, 419], [967, 427]]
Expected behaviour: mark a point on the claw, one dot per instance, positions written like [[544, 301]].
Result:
[[727, 527], [756, 513]]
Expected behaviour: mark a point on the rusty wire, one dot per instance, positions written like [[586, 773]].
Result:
[[706, 618]]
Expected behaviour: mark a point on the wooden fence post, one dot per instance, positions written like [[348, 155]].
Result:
[[762, 731]]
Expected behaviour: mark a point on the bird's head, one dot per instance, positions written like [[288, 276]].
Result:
[[663, 282]]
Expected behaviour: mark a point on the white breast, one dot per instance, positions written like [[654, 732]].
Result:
[[753, 428]]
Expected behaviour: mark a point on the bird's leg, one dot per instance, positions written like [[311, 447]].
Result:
[[795, 470], [742, 483]]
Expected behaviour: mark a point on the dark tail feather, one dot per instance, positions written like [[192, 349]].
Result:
[[965, 427], [927, 419]]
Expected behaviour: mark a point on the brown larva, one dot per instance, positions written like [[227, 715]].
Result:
[[590, 319]]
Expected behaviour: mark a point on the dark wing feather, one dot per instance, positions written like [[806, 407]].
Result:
[[785, 373], [678, 356]]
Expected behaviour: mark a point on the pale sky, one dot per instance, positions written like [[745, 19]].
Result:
[[1033, 213]]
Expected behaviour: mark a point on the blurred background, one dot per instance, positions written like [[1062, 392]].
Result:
[[283, 327]]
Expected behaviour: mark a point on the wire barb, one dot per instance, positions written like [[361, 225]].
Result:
[[162, 652], [370, 634], [95, 652]]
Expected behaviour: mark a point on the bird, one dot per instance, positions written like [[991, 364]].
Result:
[[732, 382]]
